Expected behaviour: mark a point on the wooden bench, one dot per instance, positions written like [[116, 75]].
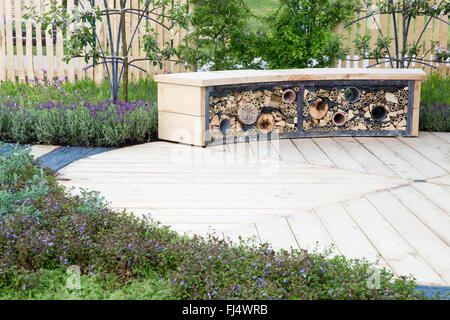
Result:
[[206, 108]]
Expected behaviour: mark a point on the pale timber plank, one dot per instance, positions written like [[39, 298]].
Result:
[[415, 159], [365, 158], [204, 79], [214, 214], [338, 155], [425, 210], [400, 256], [235, 232], [390, 158], [202, 230], [351, 242], [310, 232], [445, 136], [419, 236], [437, 194], [312, 152], [264, 149], [39, 150], [288, 151], [430, 147], [276, 231], [445, 180]]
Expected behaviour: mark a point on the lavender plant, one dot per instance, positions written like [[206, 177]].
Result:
[[435, 104], [57, 112]]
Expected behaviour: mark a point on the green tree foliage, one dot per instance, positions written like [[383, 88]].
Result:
[[301, 33], [220, 38]]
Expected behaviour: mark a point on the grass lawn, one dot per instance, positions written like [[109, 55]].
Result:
[[261, 8]]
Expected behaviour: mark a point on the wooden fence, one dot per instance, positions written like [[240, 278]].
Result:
[[27, 51], [436, 31]]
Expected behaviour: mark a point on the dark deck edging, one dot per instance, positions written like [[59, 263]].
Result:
[[60, 157], [63, 156]]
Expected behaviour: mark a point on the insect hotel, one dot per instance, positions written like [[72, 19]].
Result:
[[208, 108]]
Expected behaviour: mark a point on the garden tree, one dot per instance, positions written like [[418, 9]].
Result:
[[220, 39], [402, 13], [301, 33], [80, 23]]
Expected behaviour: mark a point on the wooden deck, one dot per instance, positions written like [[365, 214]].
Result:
[[370, 197]]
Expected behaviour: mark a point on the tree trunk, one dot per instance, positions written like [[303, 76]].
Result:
[[125, 55]]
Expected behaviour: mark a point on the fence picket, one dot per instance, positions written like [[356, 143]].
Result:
[[19, 43], [21, 62], [2, 45], [29, 46], [39, 52]]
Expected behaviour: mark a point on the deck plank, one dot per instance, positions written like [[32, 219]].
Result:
[[413, 158], [338, 155], [400, 256], [390, 158], [312, 152], [444, 136], [365, 158], [277, 232], [346, 234], [38, 151], [437, 194], [425, 210], [310, 232], [418, 236], [288, 151], [430, 147]]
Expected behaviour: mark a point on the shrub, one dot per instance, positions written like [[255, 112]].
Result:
[[61, 113], [301, 33], [435, 104], [118, 248], [220, 35]]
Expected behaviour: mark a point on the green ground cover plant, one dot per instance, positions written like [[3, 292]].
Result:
[[58, 112], [435, 104], [121, 255]]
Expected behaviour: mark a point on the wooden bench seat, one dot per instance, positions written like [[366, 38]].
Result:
[[207, 108]]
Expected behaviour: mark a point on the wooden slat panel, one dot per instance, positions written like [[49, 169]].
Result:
[[2, 44], [11, 69], [29, 46], [19, 44], [39, 52], [50, 48], [71, 64], [135, 44]]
